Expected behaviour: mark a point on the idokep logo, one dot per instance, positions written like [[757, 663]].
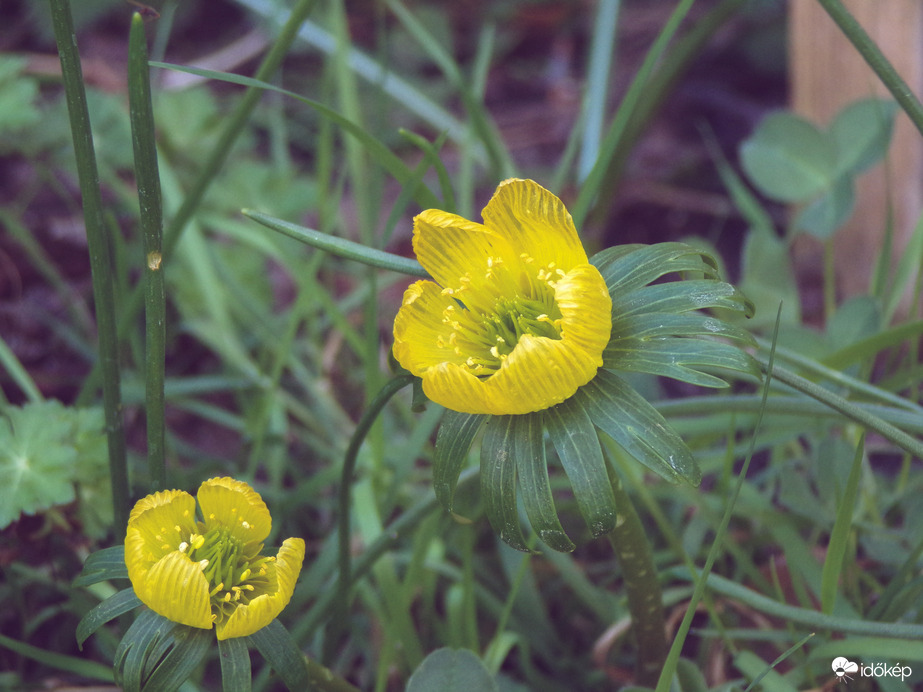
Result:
[[845, 670]]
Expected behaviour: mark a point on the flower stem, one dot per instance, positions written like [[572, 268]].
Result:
[[147, 175], [642, 587], [100, 261], [365, 423], [876, 60]]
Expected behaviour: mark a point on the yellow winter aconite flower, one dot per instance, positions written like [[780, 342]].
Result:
[[517, 318], [210, 571]]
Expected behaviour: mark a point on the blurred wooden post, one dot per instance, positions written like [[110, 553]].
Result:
[[827, 73]]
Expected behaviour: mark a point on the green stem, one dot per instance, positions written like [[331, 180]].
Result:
[[147, 176], [876, 60], [232, 130], [369, 416], [642, 586], [98, 245], [860, 415]]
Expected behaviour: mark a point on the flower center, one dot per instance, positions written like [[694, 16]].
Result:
[[236, 572], [488, 321]]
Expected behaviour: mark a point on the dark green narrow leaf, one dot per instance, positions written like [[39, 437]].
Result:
[[456, 433], [532, 467], [575, 440], [625, 416], [189, 648], [280, 651], [148, 638], [235, 664], [386, 158], [498, 481], [661, 325], [111, 608], [839, 537], [680, 359], [627, 267], [681, 296], [147, 177], [103, 565]]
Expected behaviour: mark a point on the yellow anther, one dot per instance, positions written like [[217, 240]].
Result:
[[198, 540]]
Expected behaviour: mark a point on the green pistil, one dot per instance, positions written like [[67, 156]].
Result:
[[236, 572], [487, 338]]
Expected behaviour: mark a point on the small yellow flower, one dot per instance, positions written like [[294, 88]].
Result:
[[517, 319], [210, 572]]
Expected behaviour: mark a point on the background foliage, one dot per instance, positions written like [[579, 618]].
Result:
[[274, 349]]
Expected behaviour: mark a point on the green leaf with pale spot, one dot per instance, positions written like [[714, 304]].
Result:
[[37, 458]]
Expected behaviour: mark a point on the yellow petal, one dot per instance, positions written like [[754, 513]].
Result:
[[157, 525], [234, 504], [586, 309], [538, 373], [535, 222], [175, 587], [259, 612], [450, 247], [419, 329]]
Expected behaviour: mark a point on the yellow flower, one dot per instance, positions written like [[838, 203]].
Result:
[[517, 319], [211, 571]]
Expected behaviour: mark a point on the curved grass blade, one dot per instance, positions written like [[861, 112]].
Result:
[[71, 664], [498, 481], [575, 440], [532, 468], [378, 151], [341, 247]]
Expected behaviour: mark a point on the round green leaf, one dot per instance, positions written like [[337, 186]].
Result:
[[862, 132], [451, 670], [788, 158]]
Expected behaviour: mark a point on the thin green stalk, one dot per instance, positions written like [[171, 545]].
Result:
[[150, 204], [669, 668], [594, 180], [232, 130], [326, 600], [369, 416], [858, 414], [642, 586], [640, 105], [876, 60], [98, 245]]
